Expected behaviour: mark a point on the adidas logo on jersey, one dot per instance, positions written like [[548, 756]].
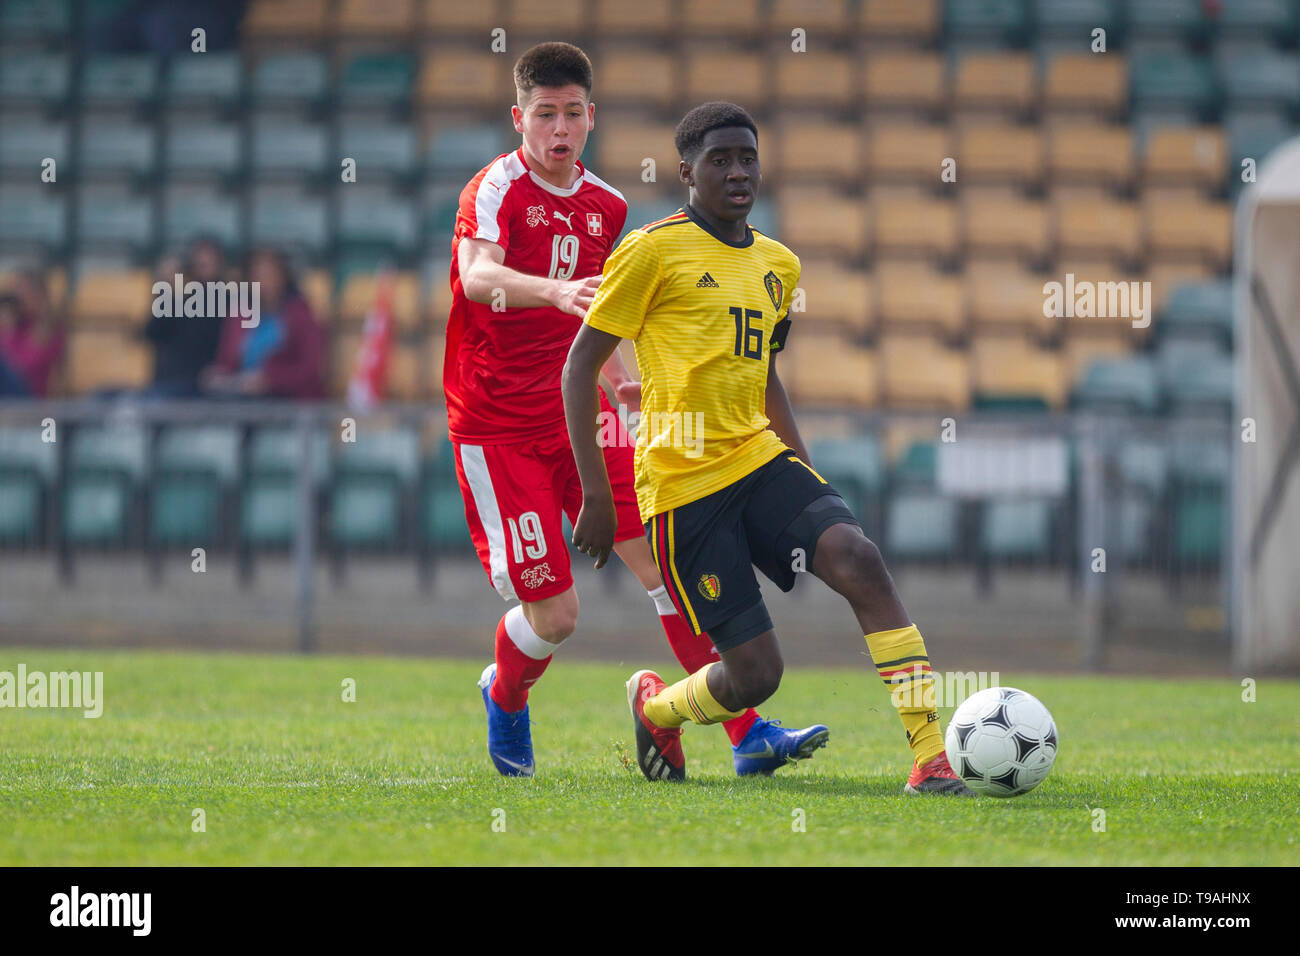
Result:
[[707, 282]]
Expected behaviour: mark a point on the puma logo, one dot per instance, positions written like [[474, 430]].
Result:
[[565, 218]]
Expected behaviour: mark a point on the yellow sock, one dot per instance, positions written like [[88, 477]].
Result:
[[688, 699], [904, 666]]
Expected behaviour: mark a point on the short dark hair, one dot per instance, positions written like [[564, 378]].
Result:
[[706, 117], [552, 64]]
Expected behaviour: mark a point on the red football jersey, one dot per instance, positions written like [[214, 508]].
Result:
[[501, 371]]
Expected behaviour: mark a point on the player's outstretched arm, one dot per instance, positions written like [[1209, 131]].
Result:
[[593, 532], [487, 279], [780, 415]]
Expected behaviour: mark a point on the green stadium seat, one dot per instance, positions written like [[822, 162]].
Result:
[[212, 449], [1122, 384], [365, 510], [273, 452], [1144, 467], [27, 142], [23, 448], [1253, 134], [269, 512], [44, 78], [115, 217], [96, 507], [640, 213], [288, 145], [1172, 79], [855, 466], [184, 508], [442, 509], [282, 217], [299, 77], [1077, 19], [117, 146], [35, 19], [919, 465], [20, 505], [1259, 18], [1136, 515], [1199, 527], [119, 79], [189, 213], [377, 217], [378, 78], [440, 202], [920, 525], [208, 147], [33, 215], [1198, 310], [393, 453], [454, 149], [983, 21], [1200, 464], [211, 77], [119, 448], [1184, 19], [378, 146], [1017, 528], [1262, 78], [1196, 379]]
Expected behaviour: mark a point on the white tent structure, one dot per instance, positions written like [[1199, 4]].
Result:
[[1266, 488]]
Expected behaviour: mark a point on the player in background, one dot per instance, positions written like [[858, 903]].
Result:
[[752, 498], [533, 231]]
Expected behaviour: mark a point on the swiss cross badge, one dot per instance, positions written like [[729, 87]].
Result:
[[593, 223]]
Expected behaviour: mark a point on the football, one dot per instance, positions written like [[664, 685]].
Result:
[[1002, 742]]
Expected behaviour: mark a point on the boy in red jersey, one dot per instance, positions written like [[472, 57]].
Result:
[[531, 237]]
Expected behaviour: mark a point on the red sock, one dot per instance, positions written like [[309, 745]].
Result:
[[694, 651], [516, 671]]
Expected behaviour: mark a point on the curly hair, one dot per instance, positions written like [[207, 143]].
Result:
[[552, 64], [695, 125]]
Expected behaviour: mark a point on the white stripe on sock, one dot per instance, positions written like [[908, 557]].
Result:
[[524, 637]]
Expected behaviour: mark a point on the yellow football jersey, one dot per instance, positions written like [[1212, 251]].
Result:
[[706, 315]]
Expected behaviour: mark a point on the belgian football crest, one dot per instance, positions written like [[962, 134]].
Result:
[[710, 586], [775, 291]]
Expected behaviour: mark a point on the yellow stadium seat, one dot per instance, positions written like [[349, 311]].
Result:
[[113, 297], [1167, 276], [739, 19], [553, 16], [997, 152], [1081, 350], [442, 17], [906, 151], [916, 20], [896, 79], [1103, 275], [645, 17], [635, 76], [829, 370], [826, 17], [1097, 225], [1186, 154], [1012, 367], [914, 225], [98, 360], [813, 218], [439, 294], [1090, 152], [1096, 82], [713, 74], [820, 149], [1001, 221], [404, 373], [452, 78], [623, 144], [305, 19], [834, 294], [435, 347], [995, 80], [919, 372], [358, 296], [823, 80], [1002, 295], [1199, 229], [913, 296], [395, 18]]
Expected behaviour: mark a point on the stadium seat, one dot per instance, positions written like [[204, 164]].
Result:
[[125, 79], [526, 17], [467, 80], [914, 226], [995, 80], [394, 453], [377, 217], [1075, 18], [35, 20], [275, 451], [393, 19], [815, 149], [291, 77], [1198, 310], [999, 153], [920, 525], [635, 76], [824, 82], [191, 212], [377, 79], [214, 77], [814, 218], [1009, 368], [711, 74], [1255, 18], [917, 468], [736, 21], [282, 217], [287, 145], [1082, 348], [117, 146], [646, 18], [1173, 79], [268, 514], [116, 217], [836, 295], [27, 468], [920, 373], [1090, 153], [365, 511], [1004, 296], [1087, 82], [378, 146], [624, 145], [826, 369], [204, 147], [1195, 379], [357, 297], [112, 297], [184, 509], [913, 20], [917, 297], [906, 151], [300, 19], [29, 140], [987, 22], [1195, 155], [33, 214], [1144, 467], [855, 466], [1178, 19], [1124, 385], [1261, 78], [896, 79], [1094, 225], [207, 448], [106, 464], [1001, 222], [1017, 528], [1201, 229], [1199, 522], [435, 345], [35, 78]]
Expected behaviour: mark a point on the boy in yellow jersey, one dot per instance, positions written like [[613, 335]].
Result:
[[723, 479]]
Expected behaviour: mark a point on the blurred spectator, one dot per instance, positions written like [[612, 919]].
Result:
[[282, 356], [185, 345], [12, 384], [31, 346], [164, 26]]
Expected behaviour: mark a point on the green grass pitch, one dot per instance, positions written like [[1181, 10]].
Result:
[[285, 771]]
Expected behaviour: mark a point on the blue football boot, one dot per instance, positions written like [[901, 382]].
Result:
[[768, 746], [510, 742]]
